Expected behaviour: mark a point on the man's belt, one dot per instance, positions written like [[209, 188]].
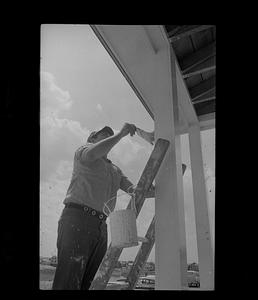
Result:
[[88, 210]]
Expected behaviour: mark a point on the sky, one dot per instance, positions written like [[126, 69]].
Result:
[[81, 90]]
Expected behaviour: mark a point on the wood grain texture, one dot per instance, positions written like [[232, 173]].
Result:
[[142, 256]]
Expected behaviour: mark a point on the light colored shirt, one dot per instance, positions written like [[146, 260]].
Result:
[[94, 183]]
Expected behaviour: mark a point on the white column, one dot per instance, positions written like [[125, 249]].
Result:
[[170, 244], [167, 234], [180, 188], [204, 243], [181, 212]]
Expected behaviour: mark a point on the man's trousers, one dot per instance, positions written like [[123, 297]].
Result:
[[81, 246]]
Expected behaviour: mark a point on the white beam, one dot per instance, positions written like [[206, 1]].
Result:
[[168, 267], [204, 242], [170, 244], [185, 99], [206, 122], [179, 179]]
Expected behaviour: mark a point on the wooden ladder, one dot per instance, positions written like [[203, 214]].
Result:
[[112, 255], [143, 252]]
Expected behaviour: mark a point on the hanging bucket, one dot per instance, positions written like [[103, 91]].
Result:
[[123, 227]]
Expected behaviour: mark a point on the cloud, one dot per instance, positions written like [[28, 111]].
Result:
[[53, 99], [59, 137], [52, 193], [99, 107], [64, 170]]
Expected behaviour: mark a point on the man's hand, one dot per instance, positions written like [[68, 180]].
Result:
[[126, 129]]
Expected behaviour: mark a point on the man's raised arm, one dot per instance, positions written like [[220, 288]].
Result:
[[101, 148]]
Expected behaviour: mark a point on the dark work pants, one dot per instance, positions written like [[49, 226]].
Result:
[[81, 246]]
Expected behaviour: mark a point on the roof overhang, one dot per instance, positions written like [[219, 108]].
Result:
[[124, 43]]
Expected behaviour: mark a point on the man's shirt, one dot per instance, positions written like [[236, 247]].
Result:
[[94, 183]]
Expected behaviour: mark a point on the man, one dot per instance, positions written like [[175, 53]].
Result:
[[82, 230]]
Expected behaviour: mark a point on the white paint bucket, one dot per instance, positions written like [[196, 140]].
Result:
[[123, 228]]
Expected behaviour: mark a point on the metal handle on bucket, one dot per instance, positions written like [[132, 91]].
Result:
[[133, 207]]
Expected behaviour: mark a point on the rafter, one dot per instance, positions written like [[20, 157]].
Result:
[[205, 100], [209, 95], [202, 88], [196, 58], [203, 67], [175, 30], [207, 107], [188, 30]]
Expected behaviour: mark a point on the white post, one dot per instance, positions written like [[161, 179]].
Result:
[[204, 243], [180, 187], [167, 234], [170, 244]]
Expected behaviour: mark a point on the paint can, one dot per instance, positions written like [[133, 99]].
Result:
[[123, 227]]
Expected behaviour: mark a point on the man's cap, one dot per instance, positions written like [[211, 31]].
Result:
[[104, 129]]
